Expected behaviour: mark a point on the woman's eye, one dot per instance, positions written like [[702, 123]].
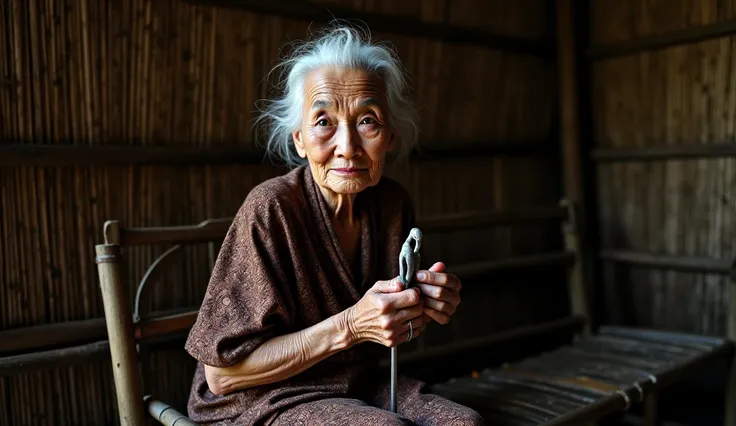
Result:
[[322, 122], [368, 120]]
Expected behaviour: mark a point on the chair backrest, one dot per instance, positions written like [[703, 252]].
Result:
[[125, 330]]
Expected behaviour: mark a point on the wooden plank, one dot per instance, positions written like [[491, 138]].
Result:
[[383, 23], [666, 261], [662, 41], [214, 229], [664, 152], [56, 358], [480, 269], [206, 231], [476, 219], [106, 155], [157, 327], [24, 154], [572, 324], [63, 333]]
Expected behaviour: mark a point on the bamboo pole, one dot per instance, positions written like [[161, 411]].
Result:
[[166, 415], [570, 134], [120, 331]]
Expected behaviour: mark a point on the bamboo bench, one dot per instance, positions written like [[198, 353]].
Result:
[[596, 375]]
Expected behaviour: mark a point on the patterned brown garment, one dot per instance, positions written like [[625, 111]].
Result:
[[281, 269]]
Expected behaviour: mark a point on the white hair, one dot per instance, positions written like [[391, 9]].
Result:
[[344, 47]]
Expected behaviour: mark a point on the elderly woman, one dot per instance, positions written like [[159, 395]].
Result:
[[305, 297]]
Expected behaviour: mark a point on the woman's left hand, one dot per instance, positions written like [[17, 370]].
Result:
[[440, 291]]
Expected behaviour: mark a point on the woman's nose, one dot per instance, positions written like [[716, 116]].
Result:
[[347, 142]]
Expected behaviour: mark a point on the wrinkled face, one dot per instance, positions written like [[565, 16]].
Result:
[[345, 132]]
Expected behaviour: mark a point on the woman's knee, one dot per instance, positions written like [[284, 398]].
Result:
[[468, 417], [339, 411]]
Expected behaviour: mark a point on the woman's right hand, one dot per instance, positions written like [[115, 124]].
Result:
[[382, 315]]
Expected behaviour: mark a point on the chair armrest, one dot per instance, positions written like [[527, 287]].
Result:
[[165, 414]]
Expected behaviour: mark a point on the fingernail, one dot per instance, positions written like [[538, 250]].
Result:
[[422, 276]]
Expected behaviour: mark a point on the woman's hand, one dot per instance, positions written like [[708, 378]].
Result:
[[382, 315], [440, 291]]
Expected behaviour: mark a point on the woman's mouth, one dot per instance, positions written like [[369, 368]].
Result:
[[348, 171]]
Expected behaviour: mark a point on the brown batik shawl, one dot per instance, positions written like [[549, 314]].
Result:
[[281, 269]]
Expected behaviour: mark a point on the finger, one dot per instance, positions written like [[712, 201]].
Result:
[[440, 317], [439, 293], [437, 267], [391, 286], [416, 332], [438, 278], [409, 314], [405, 298], [440, 306]]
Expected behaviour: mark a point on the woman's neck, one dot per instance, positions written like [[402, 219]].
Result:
[[341, 206]]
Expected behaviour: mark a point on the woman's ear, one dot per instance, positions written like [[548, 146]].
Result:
[[392, 141], [298, 144]]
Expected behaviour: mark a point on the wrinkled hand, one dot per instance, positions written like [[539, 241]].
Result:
[[382, 314], [440, 292]]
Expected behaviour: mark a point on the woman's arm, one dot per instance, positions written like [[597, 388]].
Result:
[[380, 316], [283, 356]]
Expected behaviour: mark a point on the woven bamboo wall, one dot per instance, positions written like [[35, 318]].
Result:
[[680, 95], [172, 73]]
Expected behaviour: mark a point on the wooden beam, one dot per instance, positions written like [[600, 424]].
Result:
[[206, 231], [25, 154], [50, 335], [56, 358], [477, 219], [72, 355], [567, 324], [484, 150], [384, 23], [105, 155], [481, 269], [214, 229], [662, 41], [162, 326], [666, 261], [664, 152]]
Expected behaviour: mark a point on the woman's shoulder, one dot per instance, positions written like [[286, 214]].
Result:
[[277, 195]]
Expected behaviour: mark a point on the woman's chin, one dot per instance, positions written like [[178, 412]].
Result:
[[349, 186]]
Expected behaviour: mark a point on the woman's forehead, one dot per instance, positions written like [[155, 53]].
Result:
[[325, 84]]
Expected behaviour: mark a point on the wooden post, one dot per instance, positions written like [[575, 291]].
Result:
[[576, 282], [568, 94], [571, 159], [730, 414], [119, 323]]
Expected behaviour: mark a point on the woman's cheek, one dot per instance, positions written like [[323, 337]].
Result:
[[370, 130], [321, 134]]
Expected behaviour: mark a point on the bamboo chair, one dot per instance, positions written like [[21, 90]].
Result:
[[574, 384]]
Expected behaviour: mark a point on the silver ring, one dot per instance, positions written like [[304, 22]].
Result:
[[411, 332]]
